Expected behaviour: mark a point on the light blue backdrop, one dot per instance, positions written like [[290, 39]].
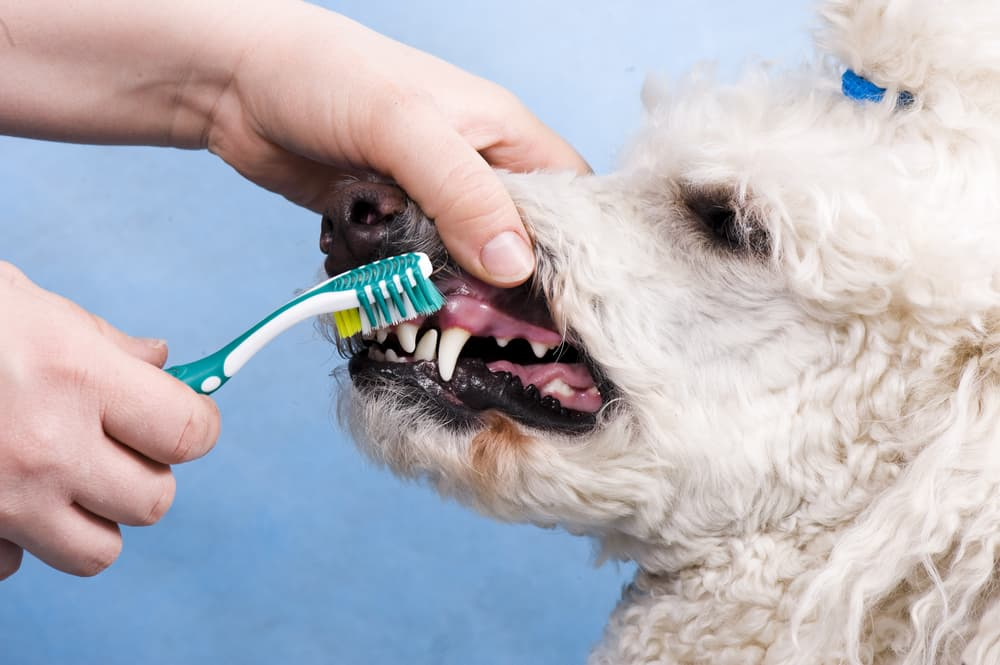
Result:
[[283, 545]]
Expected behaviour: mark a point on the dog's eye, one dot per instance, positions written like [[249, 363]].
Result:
[[718, 213]]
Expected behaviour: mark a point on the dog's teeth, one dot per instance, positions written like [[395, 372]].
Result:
[[391, 356], [502, 341], [452, 341], [381, 336], [375, 354], [557, 387], [539, 349], [427, 348], [406, 333]]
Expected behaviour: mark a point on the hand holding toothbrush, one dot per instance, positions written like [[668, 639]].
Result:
[[89, 425], [77, 456]]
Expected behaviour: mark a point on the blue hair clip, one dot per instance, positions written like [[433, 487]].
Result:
[[861, 89]]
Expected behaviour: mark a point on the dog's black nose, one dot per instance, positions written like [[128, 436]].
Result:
[[355, 228]]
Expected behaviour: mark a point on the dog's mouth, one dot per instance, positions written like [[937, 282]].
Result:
[[487, 349]]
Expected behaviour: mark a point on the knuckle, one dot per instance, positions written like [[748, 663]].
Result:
[[162, 503], [506, 103], [98, 324], [100, 559], [43, 455], [198, 434], [10, 563], [11, 274]]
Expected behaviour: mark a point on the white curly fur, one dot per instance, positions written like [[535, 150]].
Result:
[[804, 454]]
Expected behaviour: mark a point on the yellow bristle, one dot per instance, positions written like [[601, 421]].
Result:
[[348, 323]]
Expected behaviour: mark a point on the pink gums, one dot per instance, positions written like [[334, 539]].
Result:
[[585, 396], [483, 320]]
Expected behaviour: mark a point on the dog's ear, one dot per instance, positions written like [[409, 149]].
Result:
[[923, 557], [945, 53]]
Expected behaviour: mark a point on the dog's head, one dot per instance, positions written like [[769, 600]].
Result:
[[781, 318]]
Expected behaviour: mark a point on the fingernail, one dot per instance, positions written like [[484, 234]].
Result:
[[507, 258], [153, 342]]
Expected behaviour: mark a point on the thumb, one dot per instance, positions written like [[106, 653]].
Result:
[[146, 349], [453, 184], [152, 351]]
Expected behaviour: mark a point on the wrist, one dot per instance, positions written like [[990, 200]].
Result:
[[204, 81]]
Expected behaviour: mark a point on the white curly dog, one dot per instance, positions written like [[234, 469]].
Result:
[[762, 360]]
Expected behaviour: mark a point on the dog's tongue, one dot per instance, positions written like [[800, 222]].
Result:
[[572, 384]]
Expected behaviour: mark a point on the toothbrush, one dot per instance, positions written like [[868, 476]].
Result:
[[376, 295]]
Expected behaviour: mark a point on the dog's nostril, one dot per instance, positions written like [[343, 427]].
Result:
[[326, 236], [365, 212], [367, 203], [355, 229]]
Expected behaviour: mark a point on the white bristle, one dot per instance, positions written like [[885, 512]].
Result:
[[367, 325]]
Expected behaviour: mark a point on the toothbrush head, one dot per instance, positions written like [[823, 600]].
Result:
[[388, 291]]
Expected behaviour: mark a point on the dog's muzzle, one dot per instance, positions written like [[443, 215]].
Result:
[[487, 349]]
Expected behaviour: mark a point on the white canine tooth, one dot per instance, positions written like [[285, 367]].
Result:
[[502, 341], [381, 336], [391, 356], [427, 348], [539, 349], [406, 333], [452, 341]]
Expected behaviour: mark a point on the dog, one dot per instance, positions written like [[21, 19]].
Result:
[[761, 360]]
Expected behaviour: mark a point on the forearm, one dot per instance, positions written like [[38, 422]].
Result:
[[116, 71]]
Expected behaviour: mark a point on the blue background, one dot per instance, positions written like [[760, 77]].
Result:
[[284, 545]]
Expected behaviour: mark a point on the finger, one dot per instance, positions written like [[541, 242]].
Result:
[[146, 349], [11, 556], [523, 158], [150, 350], [72, 540], [525, 144], [454, 185], [299, 179], [156, 415], [125, 487]]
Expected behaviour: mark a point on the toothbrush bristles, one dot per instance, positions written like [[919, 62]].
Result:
[[393, 297]]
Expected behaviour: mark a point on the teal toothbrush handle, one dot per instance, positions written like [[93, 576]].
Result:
[[210, 373], [204, 376], [364, 287]]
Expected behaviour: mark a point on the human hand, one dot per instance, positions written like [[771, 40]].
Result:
[[289, 94], [314, 94], [88, 425]]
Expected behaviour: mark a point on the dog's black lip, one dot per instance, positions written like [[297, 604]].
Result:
[[473, 390]]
